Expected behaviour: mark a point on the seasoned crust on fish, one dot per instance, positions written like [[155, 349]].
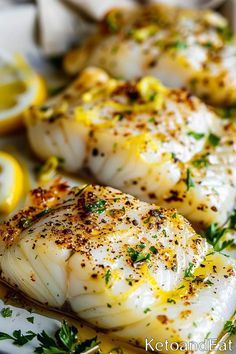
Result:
[[120, 264], [183, 48], [144, 139]]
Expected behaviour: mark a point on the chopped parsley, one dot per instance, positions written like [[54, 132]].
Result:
[[213, 139], [108, 276], [18, 338], [112, 21], [171, 301], [153, 250], [96, 207], [152, 120], [232, 220], [30, 319], [189, 180], [178, 45], [164, 231], [146, 310], [226, 33], [208, 282], [188, 273], [230, 327], [136, 256], [201, 162], [197, 136], [142, 245], [208, 45], [181, 287], [6, 312], [24, 223], [43, 212]]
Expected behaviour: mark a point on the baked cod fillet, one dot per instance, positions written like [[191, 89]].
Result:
[[120, 264], [182, 48], [161, 145]]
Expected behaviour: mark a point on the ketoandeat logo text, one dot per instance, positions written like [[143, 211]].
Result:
[[208, 345]]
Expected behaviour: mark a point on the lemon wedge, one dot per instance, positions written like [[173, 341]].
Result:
[[11, 183], [20, 87]]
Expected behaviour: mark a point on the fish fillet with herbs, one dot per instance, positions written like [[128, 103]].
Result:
[[123, 265], [183, 48], [161, 145]]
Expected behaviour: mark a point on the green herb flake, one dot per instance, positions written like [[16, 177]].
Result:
[[96, 207], [208, 45], [181, 287], [208, 282], [230, 327], [164, 232], [178, 45], [18, 338], [153, 250], [24, 223], [189, 180], [188, 273], [6, 312], [196, 136], [146, 310], [108, 276], [43, 212], [214, 234], [152, 120], [232, 220], [136, 256], [201, 162], [142, 245], [226, 33], [30, 319], [213, 139], [171, 301]]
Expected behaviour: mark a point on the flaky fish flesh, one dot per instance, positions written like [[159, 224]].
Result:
[[182, 48], [161, 145], [120, 264]]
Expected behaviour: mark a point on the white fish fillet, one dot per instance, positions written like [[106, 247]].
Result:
[[144, 139], [118, 263], [182, 48]]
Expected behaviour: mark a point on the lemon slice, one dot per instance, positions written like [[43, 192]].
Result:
[[11, 182], [20, 87]]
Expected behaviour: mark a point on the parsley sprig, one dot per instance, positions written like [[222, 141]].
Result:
[[230, 327], [65, 342], [215, 233]]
